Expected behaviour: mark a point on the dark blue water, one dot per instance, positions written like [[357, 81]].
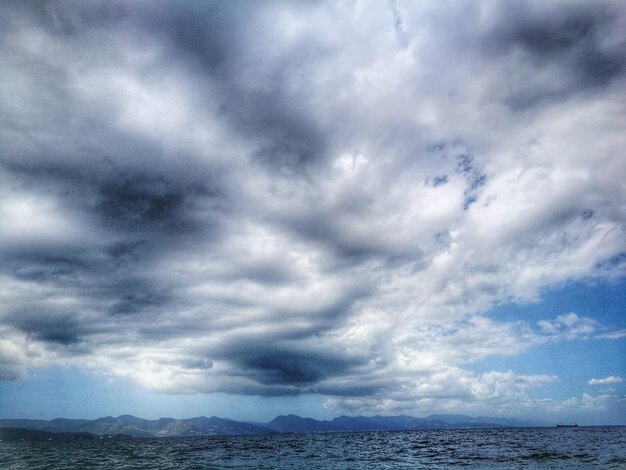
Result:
[[596, 447]]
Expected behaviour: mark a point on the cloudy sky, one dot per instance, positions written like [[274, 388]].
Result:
[[325, 208]]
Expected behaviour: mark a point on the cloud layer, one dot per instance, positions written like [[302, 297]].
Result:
[[282, 198]]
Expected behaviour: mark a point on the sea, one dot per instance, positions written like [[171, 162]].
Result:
[[530, 448]]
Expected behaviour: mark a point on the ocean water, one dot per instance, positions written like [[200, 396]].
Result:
[[582, 447]]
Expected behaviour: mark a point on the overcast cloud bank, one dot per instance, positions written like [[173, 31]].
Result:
[[327, 197]]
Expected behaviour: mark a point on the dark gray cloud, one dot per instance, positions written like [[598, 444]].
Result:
[[210, 38], [53, 327], [578, 43], [148, 204], [288, 367]]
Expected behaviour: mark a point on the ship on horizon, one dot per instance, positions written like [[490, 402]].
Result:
[[570, 425]]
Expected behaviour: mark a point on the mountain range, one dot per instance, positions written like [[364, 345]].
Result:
[[202, 426]]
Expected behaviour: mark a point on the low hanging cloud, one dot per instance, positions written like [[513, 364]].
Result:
[[212, 196], [610, 380]]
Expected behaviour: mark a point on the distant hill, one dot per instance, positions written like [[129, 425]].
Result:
[[138, 427], [488, 420], [293, 423], [296, 424], [132, 426]]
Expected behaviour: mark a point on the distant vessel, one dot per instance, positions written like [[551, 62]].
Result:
[[574, 425]]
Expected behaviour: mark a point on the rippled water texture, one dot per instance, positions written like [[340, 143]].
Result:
[[597, 447]]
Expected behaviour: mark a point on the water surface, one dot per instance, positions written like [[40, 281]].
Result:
[[582, 447]]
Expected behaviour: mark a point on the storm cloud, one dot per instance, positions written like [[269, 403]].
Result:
[[279, 198]]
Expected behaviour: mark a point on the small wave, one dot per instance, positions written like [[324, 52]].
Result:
[[547, 456]]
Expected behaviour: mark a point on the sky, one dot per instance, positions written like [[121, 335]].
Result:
[[246, 209]]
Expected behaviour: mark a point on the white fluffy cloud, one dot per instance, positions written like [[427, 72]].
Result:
[[568, 326], [610, 380]]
